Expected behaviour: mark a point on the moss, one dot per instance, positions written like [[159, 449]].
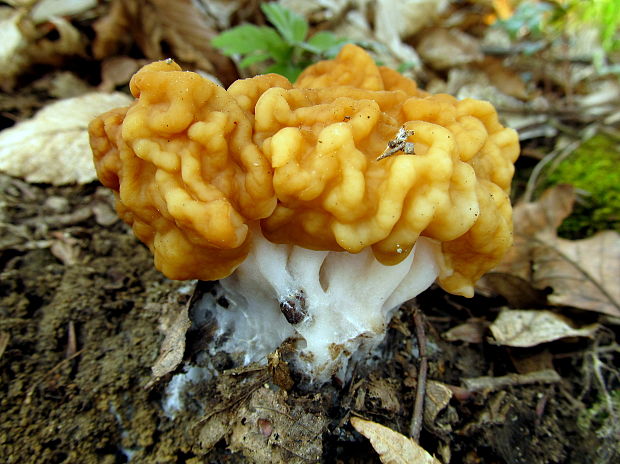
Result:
[[600, 423], [594, 168]]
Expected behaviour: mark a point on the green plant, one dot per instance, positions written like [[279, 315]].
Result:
[[529, 19], [540, 22], [606, 15], [593, 169], [287, 48], [601, 420]]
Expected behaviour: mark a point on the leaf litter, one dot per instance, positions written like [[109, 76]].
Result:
[[83, 314], [581, 273]]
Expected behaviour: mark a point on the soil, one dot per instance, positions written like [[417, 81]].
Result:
[[82, 316]]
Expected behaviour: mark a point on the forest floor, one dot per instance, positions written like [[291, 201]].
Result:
[[83, 315]]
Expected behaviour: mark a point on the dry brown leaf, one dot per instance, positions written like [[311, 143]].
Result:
[[45, 10], [581, 273], [471, 331], [438, 395], [23, 43], [215, 428], [270, 431], [383, 395], [173, 346], [117, 71], [178, 24], [112, 31], [12, 44], [517, 291], [528, 361], [392, 447], [53, 147], [525, 328], [505, 79], [448, 48], [395, 20]]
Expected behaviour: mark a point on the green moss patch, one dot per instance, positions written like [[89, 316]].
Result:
[[594, 169]]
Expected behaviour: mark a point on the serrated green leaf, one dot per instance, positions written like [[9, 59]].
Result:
[[249, 38], [292, 27]]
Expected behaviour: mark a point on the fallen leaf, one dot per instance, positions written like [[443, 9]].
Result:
[[45, 10], [103, 207], [223, 11], [12, 44], [525, 328], [438, 395], [580, 273], [271, 429], [594, 263], [528, 361], [65, 248], [53, 147], [117, 71], [505, 79], [215, 428], [602, 99], [65, 84], [392, 447], [163, 29], [173, 346], [23, 43], [382, 394], [112, 30], [517, 291], [395, 20], [471, 331], [448, 48]]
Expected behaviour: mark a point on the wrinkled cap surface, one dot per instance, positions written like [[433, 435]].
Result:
[[194, 165]]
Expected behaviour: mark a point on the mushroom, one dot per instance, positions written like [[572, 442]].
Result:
[[321, 205]]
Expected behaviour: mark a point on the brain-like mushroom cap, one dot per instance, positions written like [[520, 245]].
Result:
[[194, 165]]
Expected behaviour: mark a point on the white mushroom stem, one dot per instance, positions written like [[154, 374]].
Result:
[[338, 304]]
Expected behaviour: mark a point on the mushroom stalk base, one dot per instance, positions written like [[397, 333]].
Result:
[[334, 306]]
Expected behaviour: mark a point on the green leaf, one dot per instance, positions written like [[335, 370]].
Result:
[[251, 59], [323, 41], [407, 65], [290, 25], [286, 69], [249, 38]]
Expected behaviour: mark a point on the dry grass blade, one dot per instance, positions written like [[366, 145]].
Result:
[[5, 337]]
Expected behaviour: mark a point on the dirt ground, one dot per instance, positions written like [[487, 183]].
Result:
[[81, 311]]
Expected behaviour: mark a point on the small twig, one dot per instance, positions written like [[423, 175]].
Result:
[[532, 182], [597, 367], [497, 383], [418, 407]]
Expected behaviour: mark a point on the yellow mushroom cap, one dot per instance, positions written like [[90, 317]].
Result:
[[194, 165]]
